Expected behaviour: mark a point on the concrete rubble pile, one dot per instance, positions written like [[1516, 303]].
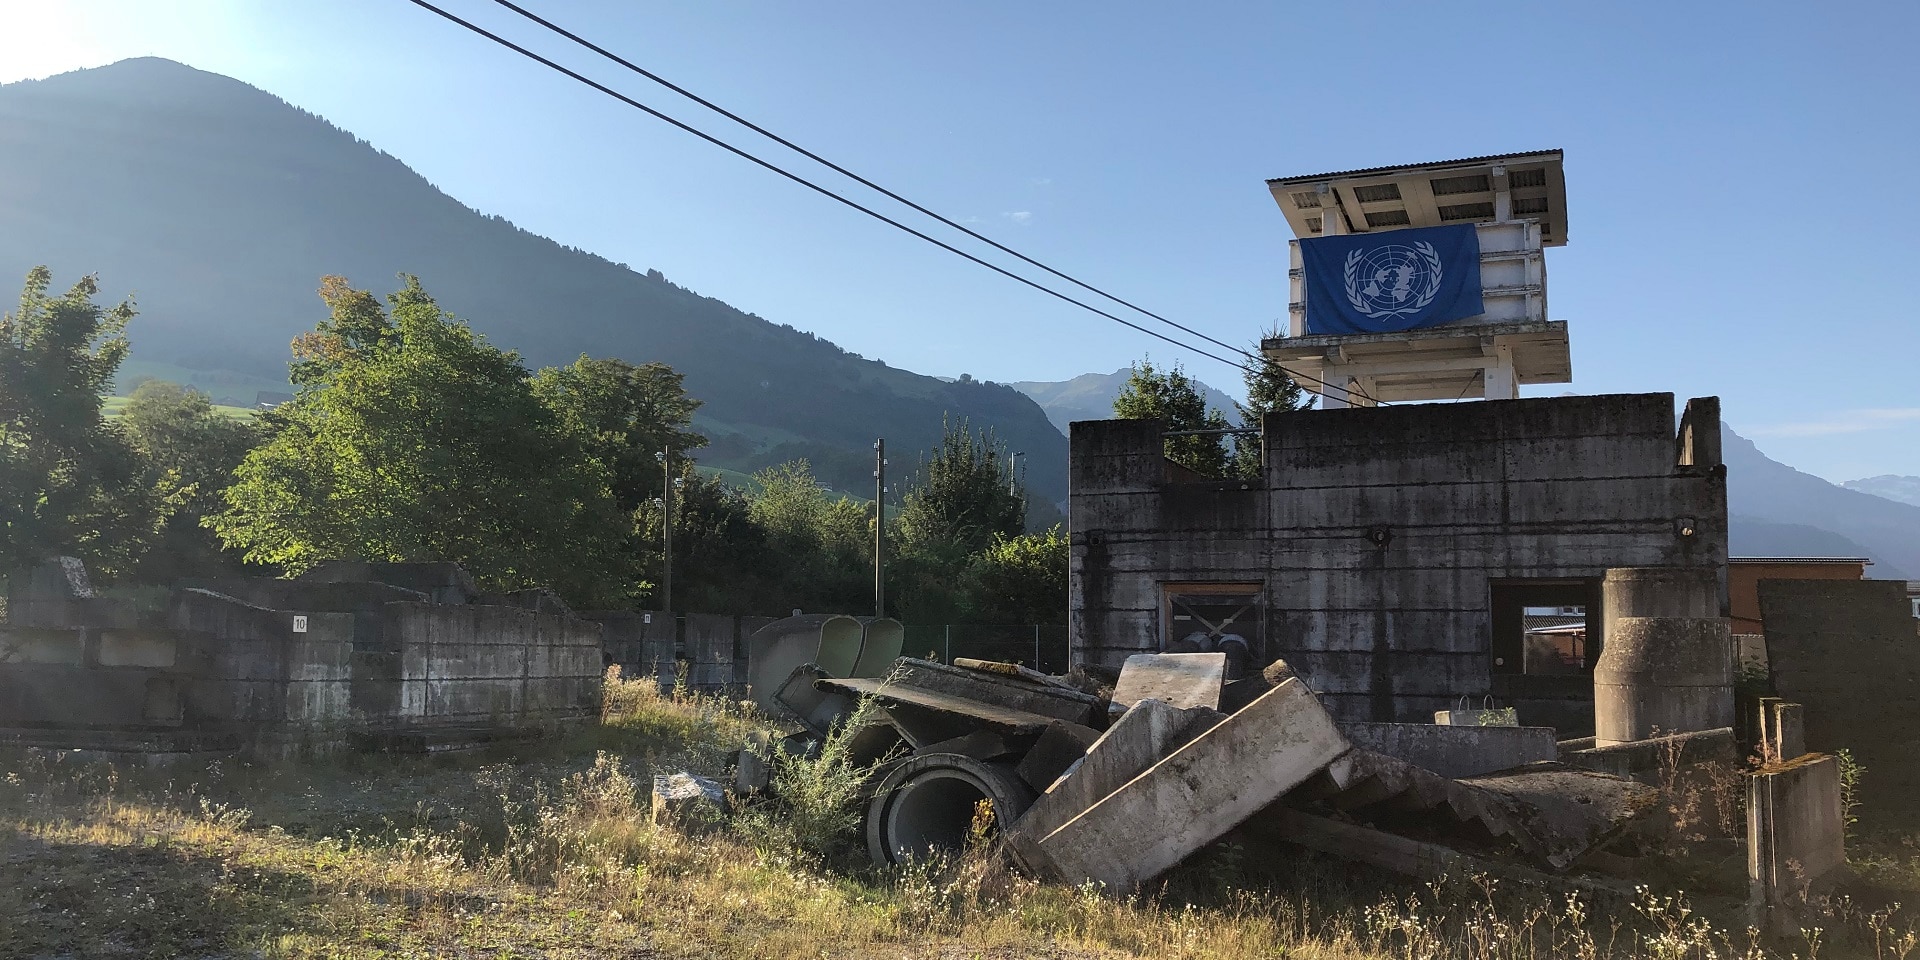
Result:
[[1117, 789]]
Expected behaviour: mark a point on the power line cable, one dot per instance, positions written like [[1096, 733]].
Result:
[[730, 148]]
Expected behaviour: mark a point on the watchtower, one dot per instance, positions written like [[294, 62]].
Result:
[[1424, 282]]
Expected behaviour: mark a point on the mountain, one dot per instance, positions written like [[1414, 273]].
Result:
[[221, 207], [1790, 513], [1890, 486], [1089, 396]]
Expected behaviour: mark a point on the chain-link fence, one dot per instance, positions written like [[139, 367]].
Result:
[[1042, 646]]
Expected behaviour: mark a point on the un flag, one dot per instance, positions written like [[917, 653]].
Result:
[[1399, 280]]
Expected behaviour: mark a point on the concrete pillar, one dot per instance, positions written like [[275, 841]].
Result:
[[1662, 675], [1658, 592], [1788, 730]]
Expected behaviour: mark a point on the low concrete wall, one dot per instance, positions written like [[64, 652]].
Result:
[[494, 665], [1452, 751]]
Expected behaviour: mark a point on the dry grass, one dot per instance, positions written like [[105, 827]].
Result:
[[551, 854]]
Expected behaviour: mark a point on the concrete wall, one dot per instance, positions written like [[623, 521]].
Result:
[[1744, 576], [1376, 534], [1847, 650], [493, 665], [642, 643]]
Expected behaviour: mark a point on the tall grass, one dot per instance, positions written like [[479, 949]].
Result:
[[555, 854]]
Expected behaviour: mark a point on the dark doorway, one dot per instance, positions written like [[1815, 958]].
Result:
[[1547, 635]]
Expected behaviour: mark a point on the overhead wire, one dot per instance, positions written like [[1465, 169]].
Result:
[[775, 168]]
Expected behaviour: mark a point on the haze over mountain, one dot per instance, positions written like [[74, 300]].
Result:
[[1089, 396], [1890, 486], [220, 207], [1777, 510]]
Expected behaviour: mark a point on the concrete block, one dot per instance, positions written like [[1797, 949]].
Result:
[[1177, 679], [1203, 790], [1663, 675], [1139, 739], [1455, 751], [1058, 748], [1795, 831], [1788, 731], [688, 801]]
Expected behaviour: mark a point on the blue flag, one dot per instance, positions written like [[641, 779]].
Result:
[[1397, 280]]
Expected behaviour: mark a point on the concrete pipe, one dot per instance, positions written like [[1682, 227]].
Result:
[[1662, 675], [927, 804], [1658, 592]]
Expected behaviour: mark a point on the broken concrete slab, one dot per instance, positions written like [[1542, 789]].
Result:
[[1178, 679], [1058, 748], [817, 709], [1795, 835], [1645, 760], [1455, 751], [1059, 703], [1011, 670], [917, 709], [1141, 737], [688, 801], [1189, 799]]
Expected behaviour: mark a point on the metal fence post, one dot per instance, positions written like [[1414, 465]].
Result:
[[1036, 646], [949, 643]]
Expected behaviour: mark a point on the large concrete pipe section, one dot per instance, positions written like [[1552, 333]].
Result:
[[880, 644], [779, 648], [1658, 592], [927, 805], [1660, 676]]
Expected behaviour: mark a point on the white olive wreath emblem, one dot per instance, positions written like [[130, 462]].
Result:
[[1366, 305]]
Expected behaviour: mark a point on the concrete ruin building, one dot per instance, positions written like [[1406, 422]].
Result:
[[407, 656], [1392, 548]]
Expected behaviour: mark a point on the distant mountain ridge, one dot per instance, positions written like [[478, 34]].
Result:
[[1090, 396], [1804, 515], [220, 206], [1889, 485]]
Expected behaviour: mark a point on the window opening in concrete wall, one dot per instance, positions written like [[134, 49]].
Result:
[[1545, 627], [1227, 618]]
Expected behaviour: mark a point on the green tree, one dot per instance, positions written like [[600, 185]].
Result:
[[410, 437], [1269, 390], [1021, 579], [68, 485], [820, 542], [624, 416], [962, 496], [1171, 396], [721, 559], [188, 452]]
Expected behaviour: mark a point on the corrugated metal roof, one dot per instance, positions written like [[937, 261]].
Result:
[[1861, 560], [1368, 171]]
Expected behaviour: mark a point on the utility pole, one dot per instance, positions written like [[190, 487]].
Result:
[[880, 527], [1012, 488], [666, 523]]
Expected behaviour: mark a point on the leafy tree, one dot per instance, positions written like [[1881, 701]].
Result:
[[624, 416], [1269, 390], [410, 437], [962, 496], [720, 555], [1022, 579], [820, 541], [67, 482], [188, 452], [1171, 396]]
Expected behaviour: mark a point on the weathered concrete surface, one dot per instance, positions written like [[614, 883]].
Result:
[[708, 645], [775, 650], [1787, 734], [1795, 830], [1061, 745], [1178, 679], [1375, 538], [1203, 790], [1663, 675], [642, 643], [1060, 703], [1454, 751], [881, 641], [1145, 734], [688, 801], [1689, 592], [1846, 649], [1644, 760]]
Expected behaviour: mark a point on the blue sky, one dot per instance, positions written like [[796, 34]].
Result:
[[1740, 217]]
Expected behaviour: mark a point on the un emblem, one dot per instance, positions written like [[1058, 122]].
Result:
[[1393, 280]]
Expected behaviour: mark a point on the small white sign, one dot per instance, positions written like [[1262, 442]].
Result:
[[299, 623], [646, 618]]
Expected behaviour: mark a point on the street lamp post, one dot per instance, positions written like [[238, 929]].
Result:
[[1011, 486], [666, 525]]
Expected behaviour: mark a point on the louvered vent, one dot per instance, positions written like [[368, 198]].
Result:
[[1525, 205], [1446, 186], [1467, 211], [1387, 218], [1527, 178], [1306, 200], [1378, 191]]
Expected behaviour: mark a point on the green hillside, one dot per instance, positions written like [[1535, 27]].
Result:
[[219, 207]]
